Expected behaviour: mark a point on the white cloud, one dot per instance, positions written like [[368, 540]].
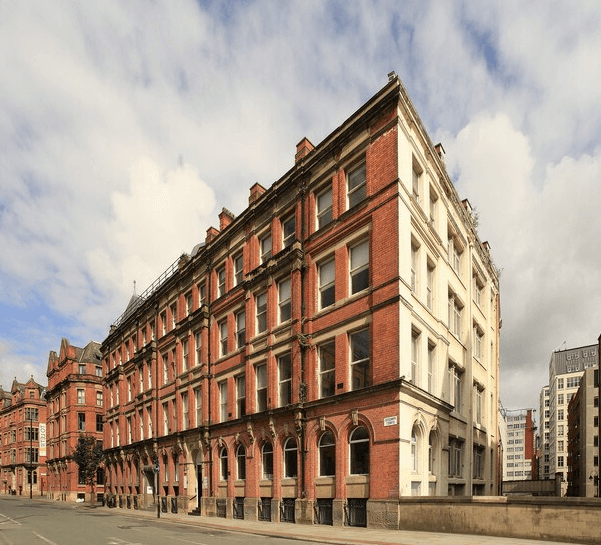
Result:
[[100, 100]]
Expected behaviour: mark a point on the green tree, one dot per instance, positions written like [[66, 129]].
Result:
[[88, 455]]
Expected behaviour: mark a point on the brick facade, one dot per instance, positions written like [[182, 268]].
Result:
[[332, 347], [23, 435], [75, 406]]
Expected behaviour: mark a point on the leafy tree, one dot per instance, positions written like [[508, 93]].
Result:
[[88, 455]]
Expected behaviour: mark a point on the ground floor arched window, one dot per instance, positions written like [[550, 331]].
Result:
[[359, 451]]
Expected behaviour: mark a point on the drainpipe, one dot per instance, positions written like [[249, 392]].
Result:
[[303, 347], [209, 370]]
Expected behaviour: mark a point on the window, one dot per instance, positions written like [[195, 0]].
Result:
[[455, 311], [455, 457], [198, 406], [359, 267], [261, 378], [285, 379], [267, 460], [99, 423], [431, 367], [98, 371], [327, 277], [478, 462], [31, 455], [223, 337], [173, 315], [430, 286], [163, 323], [559, 399], [240, 396], [32, 414], [240, 329], [478, 403], [560, 383], [99, 399], [290, 458], [560, 414], [288, 231], [478, 290], [261, 303], [164, 357], [185, 355], [455, 383], [414, 452], [415, 356], [560, 460], [202, 294], [284, 303], [223, 401], [416, 173], [455, 252], [356, 186], [359, 344], [221, 281], [81, 421], [327, 373], [359, 451], [241, 462], [189, 303], [265, 245], [185, 411], [327, 455], [223, 470], [82, 368], [414, 266], [31, 434], [324, 208], [478, 342], [433, 206], [81, 396], [238, 269], [166, 429], [198, 348]]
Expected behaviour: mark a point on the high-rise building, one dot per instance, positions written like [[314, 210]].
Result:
[[75, 406], [518, 447], [23, 438], [583, 437], [566, 368], [329, 350]]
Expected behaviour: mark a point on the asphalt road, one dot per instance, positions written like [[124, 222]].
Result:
[[27, 522]]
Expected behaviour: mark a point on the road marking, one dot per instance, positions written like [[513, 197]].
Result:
[[46, 540], [12, 520]]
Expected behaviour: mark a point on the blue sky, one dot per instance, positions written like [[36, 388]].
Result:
[[126, 127]]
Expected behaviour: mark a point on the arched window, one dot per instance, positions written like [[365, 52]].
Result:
[[267, 459], [359, 451], [327, 455], [414, 452], [223, 464], [241, 462], [290, 458]]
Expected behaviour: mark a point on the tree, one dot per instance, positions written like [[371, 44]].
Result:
[[88, 456]]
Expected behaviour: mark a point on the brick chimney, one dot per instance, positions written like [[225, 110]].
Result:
[[211, 234], [303, 148], [441, 153], [255, 192], [225, 218]]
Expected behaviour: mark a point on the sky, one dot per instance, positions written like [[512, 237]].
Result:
[[125, 128]]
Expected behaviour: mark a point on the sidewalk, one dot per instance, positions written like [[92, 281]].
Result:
[[330, 534]]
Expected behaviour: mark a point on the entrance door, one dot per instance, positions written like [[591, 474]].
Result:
[[198, 484]]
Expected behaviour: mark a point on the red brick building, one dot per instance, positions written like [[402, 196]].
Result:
[[329, 350], [75, 405], [23, 438]]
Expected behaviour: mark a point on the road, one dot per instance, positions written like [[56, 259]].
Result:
[[27, 522]]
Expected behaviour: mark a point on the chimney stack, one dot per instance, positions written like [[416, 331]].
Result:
[[303, 148]]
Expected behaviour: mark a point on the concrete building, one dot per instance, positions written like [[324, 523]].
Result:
[[583, 437], [23, 438], [329, 350], [75, 406], [566, 368], [518, 447]]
